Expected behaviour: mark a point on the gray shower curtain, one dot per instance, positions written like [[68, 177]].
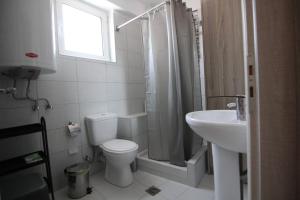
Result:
[[172, 82]]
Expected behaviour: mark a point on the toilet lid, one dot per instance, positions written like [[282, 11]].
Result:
[[119, 146]]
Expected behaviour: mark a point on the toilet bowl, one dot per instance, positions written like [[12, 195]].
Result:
[[119, 153]]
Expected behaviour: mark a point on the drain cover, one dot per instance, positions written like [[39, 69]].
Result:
[[153, 190]]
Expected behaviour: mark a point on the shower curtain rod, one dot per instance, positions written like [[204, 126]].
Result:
[[141, 15]]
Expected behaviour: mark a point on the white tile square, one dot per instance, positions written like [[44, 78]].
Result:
[[121, 40], [58, 92], [126, 107], [74, 143], [136, 59], [134, 29], [136, 75], [57, 140], [91, 71], [66, 71], [148, 179], [120, 17], [149, 197], [135, 44], [58, 163], [74, 158], [112, 192], [120, 107], [117, 91], [116, 74], [195, 194], [137, 90], [171, 190], [84, 136], [91, 92], [137, 105]]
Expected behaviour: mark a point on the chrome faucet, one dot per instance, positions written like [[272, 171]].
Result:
[[239, 105], [11, 90]]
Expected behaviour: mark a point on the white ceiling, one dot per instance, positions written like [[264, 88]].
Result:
[[150, 2], [194, 4], [138, 6]]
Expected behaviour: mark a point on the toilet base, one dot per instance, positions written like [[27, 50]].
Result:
[[120, 176]]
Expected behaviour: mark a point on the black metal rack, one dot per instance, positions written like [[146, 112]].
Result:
[[18, 163]]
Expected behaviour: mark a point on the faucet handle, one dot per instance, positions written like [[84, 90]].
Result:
[[239, 105], [240, 96], [48, 107], [231, 106]]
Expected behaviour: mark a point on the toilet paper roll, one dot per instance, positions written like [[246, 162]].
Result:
[[73, 129]]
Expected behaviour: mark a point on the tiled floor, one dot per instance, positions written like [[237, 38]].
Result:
[[170, 190]]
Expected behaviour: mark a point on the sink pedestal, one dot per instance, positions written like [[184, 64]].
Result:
[[229, 137], [226, 174]]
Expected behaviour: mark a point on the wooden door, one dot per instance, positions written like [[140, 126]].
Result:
[[223, 50]]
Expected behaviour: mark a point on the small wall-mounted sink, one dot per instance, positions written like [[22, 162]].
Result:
[[229, 138], [220, 127]]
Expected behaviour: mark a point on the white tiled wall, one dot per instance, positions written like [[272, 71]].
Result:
[[80, 87]]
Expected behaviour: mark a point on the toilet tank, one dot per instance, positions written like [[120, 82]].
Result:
[[101, 127]]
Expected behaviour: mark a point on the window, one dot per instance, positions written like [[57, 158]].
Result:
[[84, 30]]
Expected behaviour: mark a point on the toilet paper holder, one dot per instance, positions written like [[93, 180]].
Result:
[[73, 128]]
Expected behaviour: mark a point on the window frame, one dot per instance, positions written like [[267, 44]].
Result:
[[103, 14]]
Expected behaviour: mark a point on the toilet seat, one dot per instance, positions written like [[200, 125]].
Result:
[[119, 146]]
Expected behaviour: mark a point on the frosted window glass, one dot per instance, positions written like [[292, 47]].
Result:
[[82, 31]]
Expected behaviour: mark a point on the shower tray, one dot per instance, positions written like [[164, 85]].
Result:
[[190, 175]]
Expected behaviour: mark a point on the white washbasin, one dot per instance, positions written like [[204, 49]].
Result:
[[220, 127], [229, 138]]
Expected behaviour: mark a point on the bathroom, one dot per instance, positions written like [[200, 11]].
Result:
[[131, 99]]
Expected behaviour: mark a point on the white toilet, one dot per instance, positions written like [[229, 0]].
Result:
[[102, 132]]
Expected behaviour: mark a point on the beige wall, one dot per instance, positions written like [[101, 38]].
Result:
[[277, 79]]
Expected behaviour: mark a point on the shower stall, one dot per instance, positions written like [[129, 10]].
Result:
[[172, 80], [173, 89]]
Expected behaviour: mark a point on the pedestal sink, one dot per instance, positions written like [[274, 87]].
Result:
[[229, 138]]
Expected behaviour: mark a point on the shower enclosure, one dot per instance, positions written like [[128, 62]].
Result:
[[172, 82], [172, 37]]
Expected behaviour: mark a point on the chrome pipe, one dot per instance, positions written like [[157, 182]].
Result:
[[141, 15], [11, 90], [240, 105], [36, 106]]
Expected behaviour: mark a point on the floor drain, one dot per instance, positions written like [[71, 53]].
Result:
[[153, 190]]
